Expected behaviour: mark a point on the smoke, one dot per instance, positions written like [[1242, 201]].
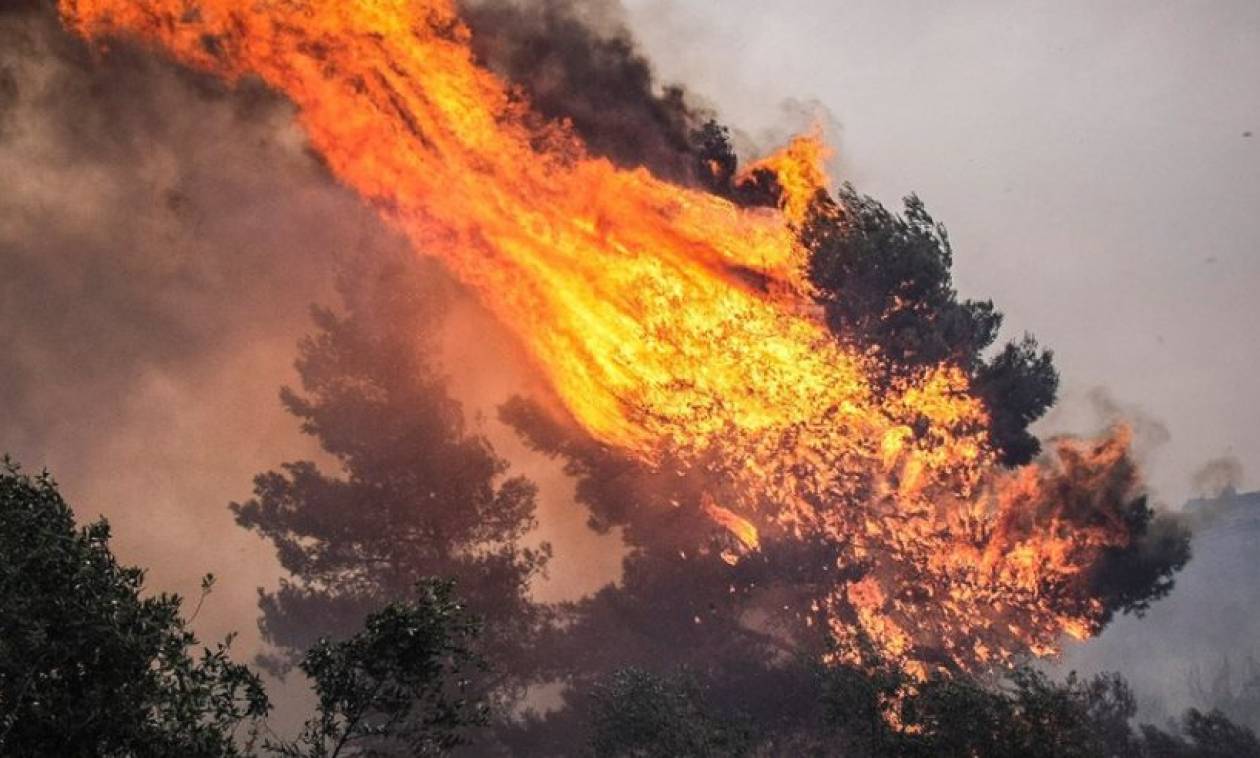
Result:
[[134, 210], [1217, 477], [1149, 433], [161, 239], [577, 61]]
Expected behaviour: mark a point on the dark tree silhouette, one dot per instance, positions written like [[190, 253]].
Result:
[[885, 285], [678, 603], [401, 686], [1128, 579], [635, 714], [87, 665], [1202, 735], [870, 714], [413, 492]]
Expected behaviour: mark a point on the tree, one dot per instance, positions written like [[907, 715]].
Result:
[[416, 495], [398, 687], [87, 665], [1128, 579], [1202, 735], [875, 712], [636, 714], [885, 285], [1033, 717]]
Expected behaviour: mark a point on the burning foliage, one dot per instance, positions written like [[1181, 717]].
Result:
[[679, 329]]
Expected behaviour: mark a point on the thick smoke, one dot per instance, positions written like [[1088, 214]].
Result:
[[161, 239], [576, 60]]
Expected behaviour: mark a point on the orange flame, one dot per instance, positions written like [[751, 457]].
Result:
[[801, 173], [621, 287], [740, 527]]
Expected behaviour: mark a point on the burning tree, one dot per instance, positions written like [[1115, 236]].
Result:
[[87, 666], [838, 485]]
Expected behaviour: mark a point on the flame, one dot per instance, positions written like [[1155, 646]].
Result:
[[800, 169], [743, 529], [626, 292]]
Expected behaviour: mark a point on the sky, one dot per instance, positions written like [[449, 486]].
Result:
[[1088, 158]]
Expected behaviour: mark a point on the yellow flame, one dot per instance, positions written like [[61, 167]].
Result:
[[625, 291]]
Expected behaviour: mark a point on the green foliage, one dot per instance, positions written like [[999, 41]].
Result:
[[877, 713], [1034, 718], [398, 687], [1131, 577], [1018, 386], [715, 158], [636, 714], [87, 665], [885, 285], [885, 280]]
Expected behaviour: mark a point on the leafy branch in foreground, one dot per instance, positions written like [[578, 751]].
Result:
[[87, 665], [400, 686], [90, 667]]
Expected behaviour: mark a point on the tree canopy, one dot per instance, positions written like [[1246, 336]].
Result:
[[413, 494], [400, 686], [89, 666], [886, 285], [869, 713]]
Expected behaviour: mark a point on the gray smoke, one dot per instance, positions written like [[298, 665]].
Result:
[[161, 240], [1217, 476], [576, 60]]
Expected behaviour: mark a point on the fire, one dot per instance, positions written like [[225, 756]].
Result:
[[800, 171], [743, 529], [627, 293]]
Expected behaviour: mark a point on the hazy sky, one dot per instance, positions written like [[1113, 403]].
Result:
[[1088, 157]]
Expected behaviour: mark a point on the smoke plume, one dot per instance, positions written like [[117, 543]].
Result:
[[575, 60], [161, 239], [1217, 476]]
